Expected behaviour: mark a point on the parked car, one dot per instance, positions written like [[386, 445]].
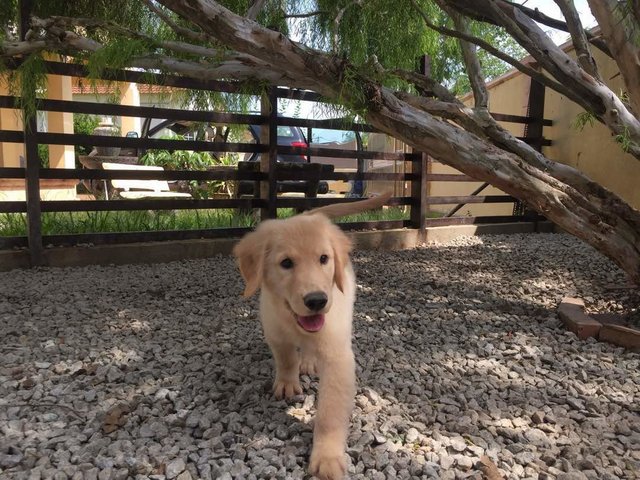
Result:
[[286, 135]]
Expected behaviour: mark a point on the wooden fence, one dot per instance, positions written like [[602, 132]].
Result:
[[266, 200]]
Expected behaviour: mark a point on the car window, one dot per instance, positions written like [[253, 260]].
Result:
[[284, 131], [324, 135]]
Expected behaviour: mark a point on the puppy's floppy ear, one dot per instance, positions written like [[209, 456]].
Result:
[[250, 252], [342, 246]]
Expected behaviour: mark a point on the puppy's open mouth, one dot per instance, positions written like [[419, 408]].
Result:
[[311, 323]]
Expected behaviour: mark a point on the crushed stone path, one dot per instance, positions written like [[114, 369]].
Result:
[[160, 371]]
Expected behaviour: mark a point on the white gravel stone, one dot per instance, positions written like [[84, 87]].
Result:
[[175, 468], [459, 354]]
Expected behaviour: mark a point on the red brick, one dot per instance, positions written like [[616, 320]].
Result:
[[622, 336], [610, 319], [578, 302], [571, 311]]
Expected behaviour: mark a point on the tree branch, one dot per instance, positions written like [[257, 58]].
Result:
[[472, 64], [319, 70], [526, 69], [540, 17], [458, 113], [255, 9], [21, 48], [580, 87], [625, 52], [231, 65], [185, 32], [534, 14], [230, 69], [579, 38], [338, 19], [56, 27], [427, 84]]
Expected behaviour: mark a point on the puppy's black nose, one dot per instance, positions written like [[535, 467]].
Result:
[[315, 301]]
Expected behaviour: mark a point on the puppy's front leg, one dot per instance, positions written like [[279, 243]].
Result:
[[308, 363], [336, 395], [287, 359]]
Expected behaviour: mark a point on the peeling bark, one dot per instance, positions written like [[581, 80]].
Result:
[[585, 90], [579, 37], [572, 201], [562, 194], [625, 51]]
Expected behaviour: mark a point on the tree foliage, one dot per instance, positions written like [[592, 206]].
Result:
[[390, 31], [397, 36]]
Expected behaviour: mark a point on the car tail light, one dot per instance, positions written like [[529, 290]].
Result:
[[300, 145]]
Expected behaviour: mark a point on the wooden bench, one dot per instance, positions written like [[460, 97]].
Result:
[[310, 188], [135, 189]]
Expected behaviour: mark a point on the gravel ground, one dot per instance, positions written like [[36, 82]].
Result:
[[160, 371]]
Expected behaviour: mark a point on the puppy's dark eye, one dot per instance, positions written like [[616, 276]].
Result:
[[324, 259], [287, 263]]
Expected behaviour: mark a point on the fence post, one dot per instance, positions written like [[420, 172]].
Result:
[[419, 169], [533, 131], [268, 160], [535, 110], [32, 164], [419, 196]]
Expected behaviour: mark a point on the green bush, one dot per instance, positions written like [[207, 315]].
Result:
[[84, 124], [43, 154], [189, 160]]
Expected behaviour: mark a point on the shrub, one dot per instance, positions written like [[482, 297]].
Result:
[[85, 124]]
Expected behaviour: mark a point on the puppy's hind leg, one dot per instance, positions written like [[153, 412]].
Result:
[[287, 359]]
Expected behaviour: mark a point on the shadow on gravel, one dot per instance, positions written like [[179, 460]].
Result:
[[459, 354]]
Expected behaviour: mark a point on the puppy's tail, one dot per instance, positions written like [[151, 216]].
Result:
[[341, 209]]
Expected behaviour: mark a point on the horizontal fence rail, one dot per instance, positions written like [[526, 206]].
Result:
[[413, 173]]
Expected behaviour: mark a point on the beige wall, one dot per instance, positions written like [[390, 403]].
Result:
[[13, 190], [60, 156], [445, 189], [130, 96], [509, 95], [10, 119], [592, 150]]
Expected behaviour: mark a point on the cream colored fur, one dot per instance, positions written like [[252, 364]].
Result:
[[304, 240]]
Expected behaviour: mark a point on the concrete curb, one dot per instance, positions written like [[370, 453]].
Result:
[[169, 251]]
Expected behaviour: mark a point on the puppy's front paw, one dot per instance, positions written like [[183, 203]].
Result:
[[286, 388], [308, 366], [327, 464]]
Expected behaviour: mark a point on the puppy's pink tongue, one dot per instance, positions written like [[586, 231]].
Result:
[[311, 323]]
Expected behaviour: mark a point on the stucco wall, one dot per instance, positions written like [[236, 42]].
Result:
[[508, 95], [10, 119], [592, 150]]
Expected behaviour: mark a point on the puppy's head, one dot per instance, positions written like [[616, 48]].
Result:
[[299, 260]]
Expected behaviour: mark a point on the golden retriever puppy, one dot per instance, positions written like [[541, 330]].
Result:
[[307, 289]]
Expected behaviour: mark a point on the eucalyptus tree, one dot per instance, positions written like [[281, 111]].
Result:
[[361, 54]]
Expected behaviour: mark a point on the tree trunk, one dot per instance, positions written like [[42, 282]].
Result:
[[559, 192], [481, 149], [562, 194]]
